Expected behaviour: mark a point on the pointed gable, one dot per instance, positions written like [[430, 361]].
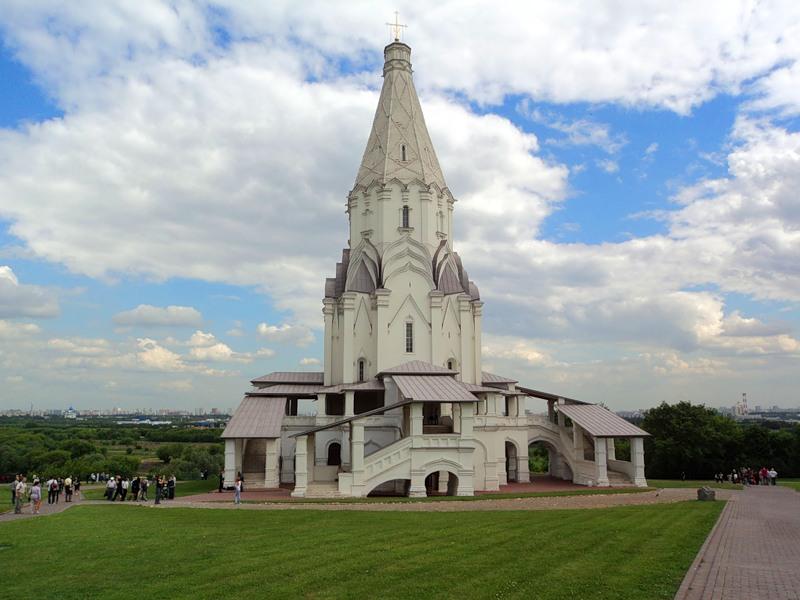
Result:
[[399, 146]]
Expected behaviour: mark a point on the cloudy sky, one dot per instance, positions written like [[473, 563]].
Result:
[[173, 178]]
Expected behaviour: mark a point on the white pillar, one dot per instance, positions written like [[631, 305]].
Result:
[[322, 410], [467, 343], [436, 326], [577, 440], [444, 477], [328, 308], [601, 468], [347, 333], [272, 470], [478, 312], [416, 420], [230, 462], [611, 449], [467, 419], [349, 403], [357, 456], [300, 467], [384, 353], [637, 458]]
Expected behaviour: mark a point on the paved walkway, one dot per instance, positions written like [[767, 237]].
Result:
[[753, 552], [46, 509]]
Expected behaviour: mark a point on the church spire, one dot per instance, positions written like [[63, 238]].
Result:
[[399, 146]]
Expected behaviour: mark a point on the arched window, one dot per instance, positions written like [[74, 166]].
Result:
[[409, 337], [450, 364], [361, 370], [334, 454], [403, 152], [405, 217]]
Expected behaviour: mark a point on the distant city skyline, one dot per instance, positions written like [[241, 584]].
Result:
[[173, 183]]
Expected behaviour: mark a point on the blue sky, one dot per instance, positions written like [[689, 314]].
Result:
[[634, 180]]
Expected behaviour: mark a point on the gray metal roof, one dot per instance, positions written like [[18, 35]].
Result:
[[477, 389], [425, 388], [257, 418], [492, 378], [599, 421], [290, 377], [371, 385], [418, 367], [286, 389], [548, 395]]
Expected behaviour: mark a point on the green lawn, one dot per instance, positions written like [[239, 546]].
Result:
[[632, 552], [691, 483], [184, 488], [792, 483]]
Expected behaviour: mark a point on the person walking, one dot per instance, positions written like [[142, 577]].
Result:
[[68, 489], [135, 486], [36, 497], [111, 487], [20, 494], [143, 493], [237, 491], [60, 489], [125, 485]]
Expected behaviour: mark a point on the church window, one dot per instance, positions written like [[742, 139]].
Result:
[[403, 152], [409, 337], [361, 370], [405, 217], [450, 364]]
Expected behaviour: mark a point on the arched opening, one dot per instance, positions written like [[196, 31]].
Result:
[[395, 487], [335, 454], [403, 152], [406, 217], [409, 337], [361, 368], [545, 461], [451, 364], [511, 462], [435, 484]]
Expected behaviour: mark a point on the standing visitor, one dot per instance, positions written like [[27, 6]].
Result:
[[143, 493], [773, 476], [159, 485], [241, 480], [221, 481], [36, 497], [13, 490], [135, 485], [237, 491], [111, 487], [171, 488], [68, 489], [60, 489], [78, 487], [763, 475], [20, 495], [125, 485]]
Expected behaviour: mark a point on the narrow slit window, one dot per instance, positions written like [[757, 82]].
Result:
[[450, 364], [409, 337], [403, 153], [405, 217], [361, 370]]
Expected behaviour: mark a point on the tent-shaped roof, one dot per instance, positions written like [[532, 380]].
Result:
[[599, 421], [257, 417], [488, 378]]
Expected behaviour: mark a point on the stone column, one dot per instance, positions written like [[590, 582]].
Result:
[[349, 403], [346, 449], [436, 326], [467, 419], [328, 308], [611, 450], [417, 489], [348, 326], [416, 421], [562, 421], [382, 328], [444, 478], [357, 456], [467, 341], [477, 307], [272, 469], [637, 458], [322, 410], [601, 468], [551, 411], [230, 462], [300, 467], [577, 440]]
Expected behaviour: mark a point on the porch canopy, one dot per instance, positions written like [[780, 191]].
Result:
[[257, 417], [600, 422], [432, 388]]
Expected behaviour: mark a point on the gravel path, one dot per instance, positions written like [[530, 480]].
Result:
[[535, 503]]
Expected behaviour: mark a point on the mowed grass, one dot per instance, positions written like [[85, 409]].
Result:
[[183, 488], [632, 552], [792, 483], [692, 483]]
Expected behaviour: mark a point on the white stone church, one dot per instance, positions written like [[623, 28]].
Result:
[[403, 405]]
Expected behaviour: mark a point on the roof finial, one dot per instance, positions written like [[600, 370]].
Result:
[[397, 26]]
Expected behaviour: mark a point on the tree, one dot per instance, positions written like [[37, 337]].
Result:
[[168, 452]]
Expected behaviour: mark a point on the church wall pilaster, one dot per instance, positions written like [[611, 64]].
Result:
[[382, 333], [348, 324], [467, 368], [477, 308], [328, 310], [436, 327]]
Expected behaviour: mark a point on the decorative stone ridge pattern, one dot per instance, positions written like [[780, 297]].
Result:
[[402, 405]]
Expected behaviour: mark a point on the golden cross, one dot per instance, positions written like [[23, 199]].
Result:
[[397, 26]]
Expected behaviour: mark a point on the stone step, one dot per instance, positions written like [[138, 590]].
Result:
[[323, 490]]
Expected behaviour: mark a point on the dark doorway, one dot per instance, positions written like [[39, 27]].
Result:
[[335, 454]]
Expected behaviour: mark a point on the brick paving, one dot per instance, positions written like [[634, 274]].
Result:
[[753, 552]]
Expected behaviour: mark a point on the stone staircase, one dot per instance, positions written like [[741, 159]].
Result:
[[323, 489]]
